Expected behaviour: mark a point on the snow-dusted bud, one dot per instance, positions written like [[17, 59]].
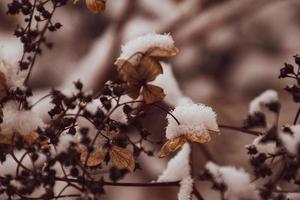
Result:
[[237, 181]]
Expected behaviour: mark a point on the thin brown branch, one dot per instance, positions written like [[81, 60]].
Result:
[[240, 129]]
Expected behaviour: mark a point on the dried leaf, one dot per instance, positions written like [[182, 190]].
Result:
[[199, 138], [96, 6], [95, 158], [122, 158], [162, 52], [149, 68], [5, 139], [172, 145], [31, 137], [152, 93], [3, 86]]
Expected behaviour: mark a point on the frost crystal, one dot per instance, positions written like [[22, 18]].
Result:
[[237, 181], [291, 141], [267, 97], [194, 119], [178, 167], [14, 78], [186, 189], [21, 121]]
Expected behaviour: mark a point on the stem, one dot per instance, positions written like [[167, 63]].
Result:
[[168, 112], [297, 116], [244, 130]]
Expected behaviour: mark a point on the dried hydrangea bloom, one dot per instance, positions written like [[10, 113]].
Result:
[[178, 167], [138, 65], [237, 181], [21, 122], [266, 98], [194, 123]]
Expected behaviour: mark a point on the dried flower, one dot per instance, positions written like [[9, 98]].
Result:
[[96, 6], [197, 121]]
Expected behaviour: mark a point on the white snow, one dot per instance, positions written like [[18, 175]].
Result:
[[178, 167], [143, 43], [13, 76], [186, 188], [237, 181], [291, 142], [267, 147], [22, 121], [194, 119], [169, 84], [267, 97]]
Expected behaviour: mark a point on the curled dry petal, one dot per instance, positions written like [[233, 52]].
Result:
[[199, 138], [122, 158], [172, 145], [96, 6], [175, 143], [162, 52]]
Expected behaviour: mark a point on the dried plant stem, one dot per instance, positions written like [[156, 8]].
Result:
[[240, 129]]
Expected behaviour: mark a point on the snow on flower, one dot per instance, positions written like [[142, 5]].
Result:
[[194, 118], [21, 121], [265, 98], [146, 42], [291, 141], [263, 147], [14, 78], [169, 84], [178, 167], [237, 181], [186, 188]]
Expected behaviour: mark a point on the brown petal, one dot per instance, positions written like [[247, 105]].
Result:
[[31, 137], [133, 90], [122, 158], [128, 72], [149, 69], [96, 6], [199, 138], [95, 158], [172, 145], [5, 139], [152, 93], [162, 52], [3, 86]]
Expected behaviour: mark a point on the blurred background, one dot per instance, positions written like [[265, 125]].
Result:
[[230, 51]]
